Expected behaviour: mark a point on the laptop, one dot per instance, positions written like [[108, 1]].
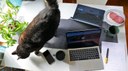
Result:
[[86, 58], [84, 50], [89, 15]]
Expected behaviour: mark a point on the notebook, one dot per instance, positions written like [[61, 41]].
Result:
[[88, 58], [89, 15]]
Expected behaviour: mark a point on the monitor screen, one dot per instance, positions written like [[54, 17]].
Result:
[[85, 38], [89, 15]]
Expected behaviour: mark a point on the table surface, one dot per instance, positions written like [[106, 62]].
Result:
[[29, 10]]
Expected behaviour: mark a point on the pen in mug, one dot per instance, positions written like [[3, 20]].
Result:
[[107, 54]]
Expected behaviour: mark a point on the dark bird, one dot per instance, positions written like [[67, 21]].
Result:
[[42, 28]]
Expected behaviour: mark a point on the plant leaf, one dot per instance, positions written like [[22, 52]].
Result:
[[6, 36], [11, 42], [10, 4]]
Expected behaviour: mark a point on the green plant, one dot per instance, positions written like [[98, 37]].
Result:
[[9, 25]]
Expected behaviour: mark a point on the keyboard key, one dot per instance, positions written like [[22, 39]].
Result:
[[83, 54]]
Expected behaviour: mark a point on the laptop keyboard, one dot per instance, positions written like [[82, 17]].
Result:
[[84, 54]]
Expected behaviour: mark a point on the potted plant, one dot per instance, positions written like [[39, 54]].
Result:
[[10, 26]]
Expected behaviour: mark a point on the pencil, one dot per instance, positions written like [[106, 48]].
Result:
[[107, 54]]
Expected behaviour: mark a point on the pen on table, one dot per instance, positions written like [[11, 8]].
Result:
[[107, 54]]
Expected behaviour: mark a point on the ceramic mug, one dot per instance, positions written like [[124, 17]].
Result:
[[112, 31], [60, 55]]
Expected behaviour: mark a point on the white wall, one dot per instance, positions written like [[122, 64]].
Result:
[[102, 2]]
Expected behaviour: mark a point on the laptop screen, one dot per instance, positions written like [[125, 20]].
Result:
[[88, 14], [85, 38]]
